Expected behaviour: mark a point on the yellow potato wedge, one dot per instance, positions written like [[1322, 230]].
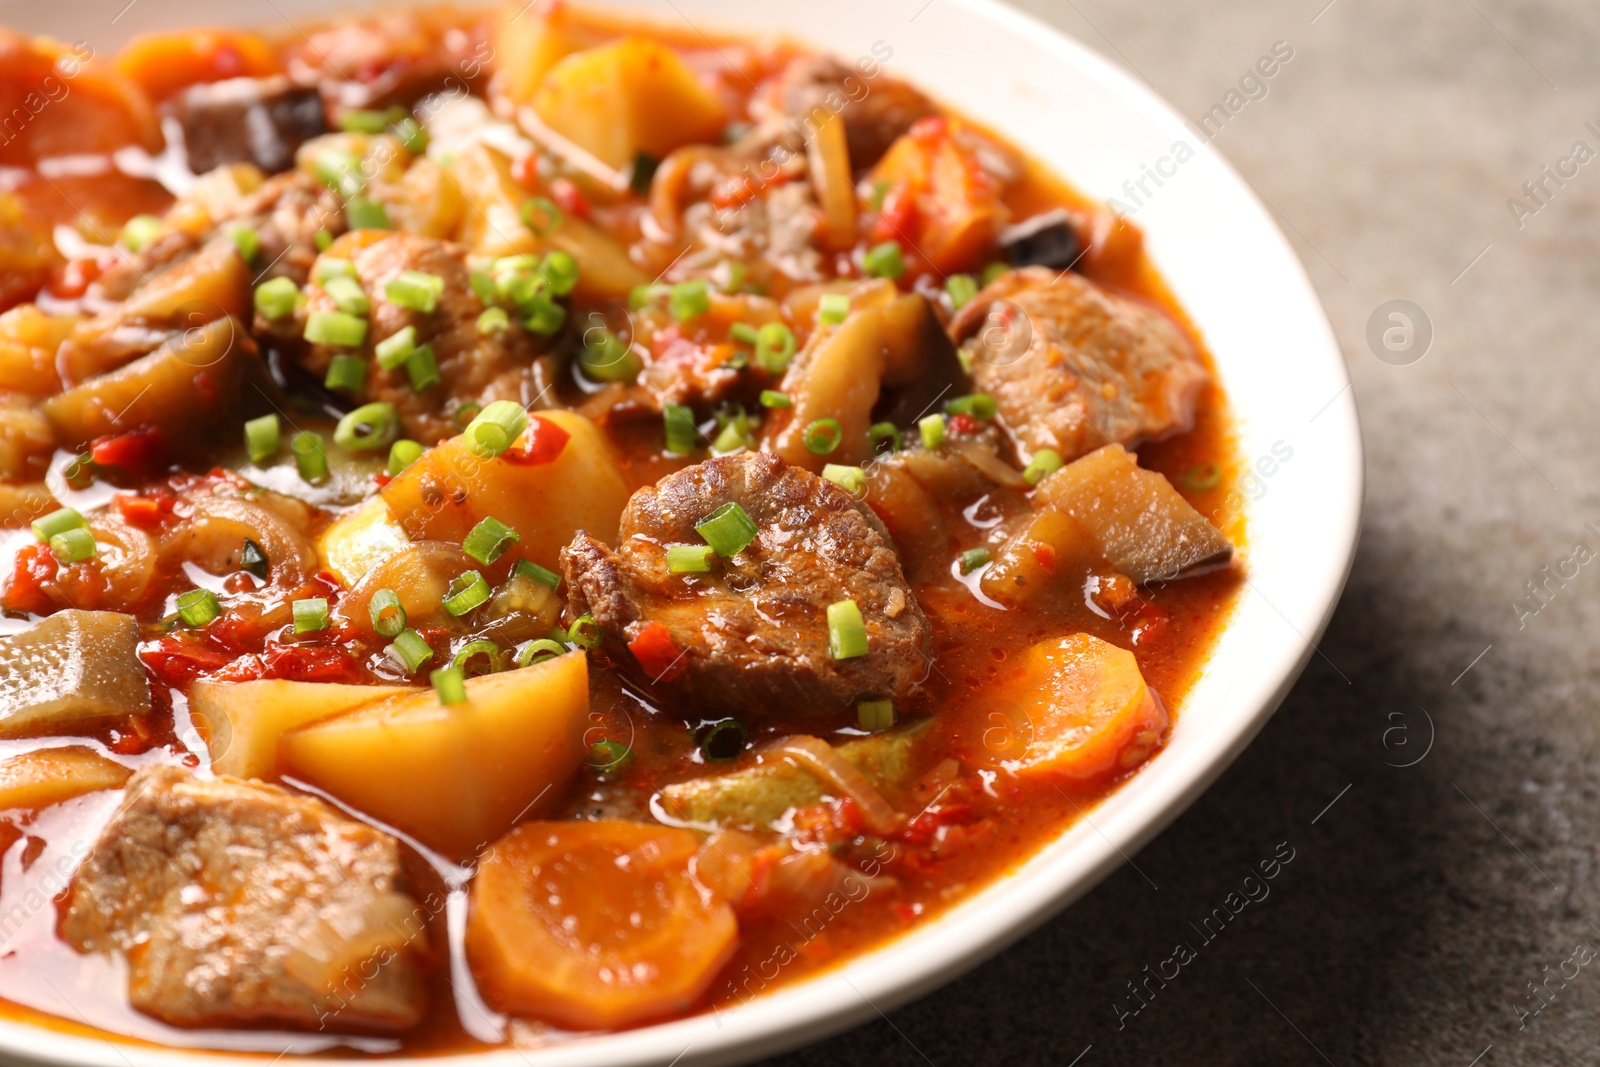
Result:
[[48, 776], [359, 540], [244, 720]]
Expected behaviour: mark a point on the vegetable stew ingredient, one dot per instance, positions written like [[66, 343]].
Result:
[[244, 720], [73, 667]]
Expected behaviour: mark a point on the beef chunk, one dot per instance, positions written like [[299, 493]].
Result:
[[239, 903], [1073, 367], [753, 632], [248, 120], [876, 110], [472, 365]]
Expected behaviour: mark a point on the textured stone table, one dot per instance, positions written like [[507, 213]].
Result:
[[1420, 905]]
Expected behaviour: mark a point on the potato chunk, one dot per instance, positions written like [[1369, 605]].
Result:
[[244, 720], [48, 776], [74, 667]]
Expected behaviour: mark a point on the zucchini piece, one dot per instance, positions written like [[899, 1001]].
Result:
[[74, 667]]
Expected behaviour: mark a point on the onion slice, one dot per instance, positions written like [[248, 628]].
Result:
[[817, 756]]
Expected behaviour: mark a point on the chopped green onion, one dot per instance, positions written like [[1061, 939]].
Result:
[[932, 428], [402, 454], [340, 171], [884, 261], [823, 436], [57, 522], [689, 299], [642, 296], [367, 427], [394, 350], [847, 632], [415, 289], [358, 121], [347, 295], [689, 559], [409, 651], [253, 558], [412, 135], [724, 740], [585, 632], [468, 591], [335, 328], [346, 374], [519, 288], [977, 405], [771, 398], [884, 433], [774, 346], [246, 241], [275, 298], [423, 369], [466, 413], [364, 214], [560, 272], [852, 480], [482, 284], [730, 275], [139, 231], [833, 308], [539, 651], [729, 529], [962, 288], [1045, 462], [605, 358], [489, 540], [540, 215], [973, 558], [734, 436], [527, 568], [993, 271], [544, 317], [472, 650], [198, 607], [328, 268], [74, 546], [496, 428], [309, 457], [1199, 479], [261, 438], [880, 189], [745, 333], [609, 757], [875, 715], [449, 685], [681, 431], [310, 614], [387, 613], [493, 320], [323, 240]]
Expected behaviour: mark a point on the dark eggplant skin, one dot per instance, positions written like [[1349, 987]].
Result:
[[1047, 240]]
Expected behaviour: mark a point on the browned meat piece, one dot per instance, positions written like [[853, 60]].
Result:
[[396, 57], [876, 110], [1073, 367], [472, 365], [239, 903], [753, 632], [247, 120]]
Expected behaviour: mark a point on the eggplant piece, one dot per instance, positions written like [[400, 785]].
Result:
[[754, 799], [248, 120], [1145, 528], [74, 667], [1046, 240]]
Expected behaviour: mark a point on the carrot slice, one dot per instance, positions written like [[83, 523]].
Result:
[[595, 925], [1086, 709]]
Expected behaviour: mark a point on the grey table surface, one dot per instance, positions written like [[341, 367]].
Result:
[[1419, 907]]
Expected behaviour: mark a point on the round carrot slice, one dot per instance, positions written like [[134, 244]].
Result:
[[595, 925]]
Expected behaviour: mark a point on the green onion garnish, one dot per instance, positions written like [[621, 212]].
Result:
[[771, 398], [139, 231], [493, 660], [540, 215], [467, 592], [58, 522], [74, 546], [412, 135], [489, 540], [875, 715], [884, 433], [544, 317], [198, 607], [340, 171], [309, 457], [346, 374], [358, 121], [394, 350], [977, 405], [605, 358], [774, 347], [734, 436], [367, 427], [745, 333], [449, 685], [973, 558], [493, 320], [560, 272], [832, 308], [539, 651], [246, 241], [993, 271], [847, 632], [689, 559], [275, 298], [884, 261], [585, 632], [388, 614], [642, 296], [823, 436], [415, 289], [496, 428], [729, 529], [852, 480], [253, 558], [723, 741], [962, 288], [609, 757], [423, 369], [347, 294], [409, 651], [402, 454], [681, 431], [482, 284], [335, 328], [1045, 462], [932, 429], [880, 189], [363, 214], [328, 268], [527, 568], [323, 240], [310, 614], [689, 299], [261, 438]]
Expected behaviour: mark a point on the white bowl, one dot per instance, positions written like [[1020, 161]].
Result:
[[1232, 270]]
